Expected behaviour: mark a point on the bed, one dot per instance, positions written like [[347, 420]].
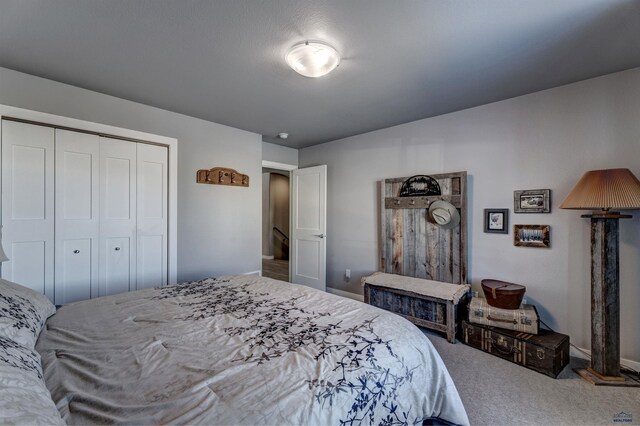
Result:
[[241, 350]]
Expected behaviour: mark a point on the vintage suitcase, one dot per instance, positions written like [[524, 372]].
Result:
[[546, 353], [524, 319]]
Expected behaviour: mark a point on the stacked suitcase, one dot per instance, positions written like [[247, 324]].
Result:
[[546, 352], [524, 319], [515, 335]]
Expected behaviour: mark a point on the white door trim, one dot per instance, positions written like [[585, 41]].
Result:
[[278, 166], [170, 143]]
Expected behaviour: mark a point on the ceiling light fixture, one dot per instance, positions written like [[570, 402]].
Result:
[[312, 58]]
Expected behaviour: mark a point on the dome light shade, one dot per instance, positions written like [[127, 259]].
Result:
[[312, 58]]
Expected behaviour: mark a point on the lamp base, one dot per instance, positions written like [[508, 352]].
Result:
[[596, 379], [606, 214]]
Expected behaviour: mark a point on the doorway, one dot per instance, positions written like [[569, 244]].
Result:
[[275, 223], [303, 234]]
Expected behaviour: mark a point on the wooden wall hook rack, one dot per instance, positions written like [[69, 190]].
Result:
[[222, 176], [411, 244]]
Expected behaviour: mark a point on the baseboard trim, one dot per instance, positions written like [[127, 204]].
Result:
[[347, 294], [258, 273], [625, 362], [265, 257]]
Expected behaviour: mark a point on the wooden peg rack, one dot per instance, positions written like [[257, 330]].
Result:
[[222, 176], [411, 244]]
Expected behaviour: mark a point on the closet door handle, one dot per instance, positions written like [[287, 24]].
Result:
[[76, 251], [117, 249], [319, 235]]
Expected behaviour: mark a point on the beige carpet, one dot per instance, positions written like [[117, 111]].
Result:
[[498, 392]]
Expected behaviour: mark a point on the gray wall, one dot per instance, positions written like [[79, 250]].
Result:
[[279, 154], [542, 140], [219, 228]]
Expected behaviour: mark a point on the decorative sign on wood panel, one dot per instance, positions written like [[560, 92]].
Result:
[[222, 176], [411, 244], [419, 185]]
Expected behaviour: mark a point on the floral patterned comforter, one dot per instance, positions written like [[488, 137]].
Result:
[[242, 350]]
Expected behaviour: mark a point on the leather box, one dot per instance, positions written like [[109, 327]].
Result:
[[546, 353], [524, 319], [503, 295]]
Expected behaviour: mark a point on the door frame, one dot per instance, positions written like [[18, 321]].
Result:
[[266, 164], [56, 121]]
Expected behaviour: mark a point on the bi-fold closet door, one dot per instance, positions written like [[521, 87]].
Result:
[[77, 216], [84, 215], [28, 205]]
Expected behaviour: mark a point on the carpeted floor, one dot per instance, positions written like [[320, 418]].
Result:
[[498, 392]]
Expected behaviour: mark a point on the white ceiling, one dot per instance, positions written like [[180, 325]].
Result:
[[403, 60]]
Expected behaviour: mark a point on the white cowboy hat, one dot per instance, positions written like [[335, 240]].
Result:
[[444, 214]]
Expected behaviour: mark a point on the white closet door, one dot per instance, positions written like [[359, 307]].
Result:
[[27, 205], [77, 219], [152, 215], [117, 216]]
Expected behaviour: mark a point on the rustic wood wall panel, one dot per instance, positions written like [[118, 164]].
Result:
[[411, 244]]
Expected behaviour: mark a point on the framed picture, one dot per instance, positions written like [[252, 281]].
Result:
[[496, 221], [532, 201], [531, 235]]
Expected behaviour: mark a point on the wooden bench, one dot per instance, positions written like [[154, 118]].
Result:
[[431, 304]]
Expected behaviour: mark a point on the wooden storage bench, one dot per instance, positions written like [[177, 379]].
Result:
[[431, 304]]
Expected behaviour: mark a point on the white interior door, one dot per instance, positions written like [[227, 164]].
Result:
[[309, 226], [152, 215], [77, 218], [27, 205], [117, 216]]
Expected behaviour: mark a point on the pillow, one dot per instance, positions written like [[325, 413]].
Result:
[[24, 398], [22, 313]]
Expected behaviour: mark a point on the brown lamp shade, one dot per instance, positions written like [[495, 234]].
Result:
[[605, 189]]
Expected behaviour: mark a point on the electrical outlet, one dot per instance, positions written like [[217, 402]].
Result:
[[347, 274]]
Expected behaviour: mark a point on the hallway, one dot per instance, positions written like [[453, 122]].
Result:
[[276, 268]]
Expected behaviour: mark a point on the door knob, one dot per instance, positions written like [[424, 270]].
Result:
[[117, 249], [76, 251], [320, 235]]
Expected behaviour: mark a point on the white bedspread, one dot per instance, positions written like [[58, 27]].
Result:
[[242, 350]]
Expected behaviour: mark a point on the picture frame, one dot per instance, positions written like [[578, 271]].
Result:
[[496, 221], [531, 236], [532, 201]]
